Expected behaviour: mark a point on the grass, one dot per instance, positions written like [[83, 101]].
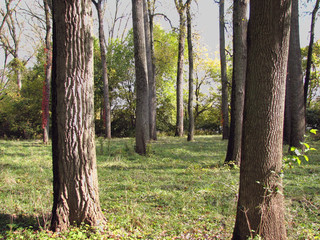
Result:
[[180, 191]]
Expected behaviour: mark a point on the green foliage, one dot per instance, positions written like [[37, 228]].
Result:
[[20, 111]]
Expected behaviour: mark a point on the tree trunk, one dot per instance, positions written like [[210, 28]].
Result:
[[182, 36], [295, 107], [151, 75], [142, 109], [107, 116], [309, 58], [260, 205], [75, 182], [224, 79], [190, 100], [47, 81], [238, 80]]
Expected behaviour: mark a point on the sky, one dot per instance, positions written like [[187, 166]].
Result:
[[206, 22]]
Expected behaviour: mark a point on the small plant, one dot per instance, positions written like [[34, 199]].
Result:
[[297, 155]]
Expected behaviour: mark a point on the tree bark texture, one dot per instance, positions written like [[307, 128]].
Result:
[[142, 109], [310, 49], [107, 115], [260, 205], [238, 80], [182, 36], [224, 79], [151, 73], [295, 107], [191, 70], [75, 182], [47, 81]]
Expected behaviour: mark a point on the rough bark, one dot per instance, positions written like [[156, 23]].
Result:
[[224, 79], [142, 89], [295, 107], [151, 74], [310, 49], [181, 45], [47, 81], [260, 205], [75, 182], [191, 67], [238, 80], [107, 115]]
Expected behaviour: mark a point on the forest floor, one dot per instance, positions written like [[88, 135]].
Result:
[[181, 190]]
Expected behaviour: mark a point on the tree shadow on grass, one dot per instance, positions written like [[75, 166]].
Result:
[[11, 222]]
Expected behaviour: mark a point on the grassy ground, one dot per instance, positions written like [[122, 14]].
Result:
[[180, 191]]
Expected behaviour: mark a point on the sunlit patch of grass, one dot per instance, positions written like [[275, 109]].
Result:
[[180, 190]]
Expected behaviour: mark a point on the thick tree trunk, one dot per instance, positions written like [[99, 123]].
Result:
[[75, 182], [151, 75], [260, 204], [47, 81], [190, 100], [182, 36], [224, 79], [309, 58], [295, 107], [142, 109], [107, 115], [238, 80]]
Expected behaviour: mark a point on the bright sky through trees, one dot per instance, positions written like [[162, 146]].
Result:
[[206, 22]]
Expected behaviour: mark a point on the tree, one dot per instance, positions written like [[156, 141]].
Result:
[[107, 116], [142, 110], [224, 79], [75, 182], [191, 93], [294, 127], [260, 208], [10, 40], [238, 80], [47, 81], [181, 8], [309, 59], [148, 25]]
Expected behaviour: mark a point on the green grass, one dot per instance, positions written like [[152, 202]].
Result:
[[180, 191]]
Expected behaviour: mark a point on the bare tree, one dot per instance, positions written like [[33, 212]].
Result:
[[99, 4], [151, 71], [294, 127], [191, 70], [47, 81], [310, 49], [238, 80], [75, 181], [224, 79], [260, 208], [142, 89], [10, 36], [181, 8]]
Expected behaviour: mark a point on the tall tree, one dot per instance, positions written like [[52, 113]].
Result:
[[181, 8], [309, 58], [47, 81], [107, 116], [151, 71], [294, 127], [142, 109], [75, 182], [260, 205], [238, 80], [191, 68], [224, 79], [10, 40]]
